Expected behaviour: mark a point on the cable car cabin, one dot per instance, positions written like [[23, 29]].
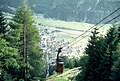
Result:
[[59, 68]]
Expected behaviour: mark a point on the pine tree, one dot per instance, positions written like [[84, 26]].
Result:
[[3, 25], [89, 71], [30, 52], [82, 63], [93, 51], [13, 36], [100, 52], [8, 63], [110, 45], [115, 70]]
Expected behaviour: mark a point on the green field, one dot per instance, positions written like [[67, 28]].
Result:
[[68, 73], [55, 78], [68, 31]]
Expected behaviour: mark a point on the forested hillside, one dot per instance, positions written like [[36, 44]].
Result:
[[21, 59], [59, 40], [68, 10]]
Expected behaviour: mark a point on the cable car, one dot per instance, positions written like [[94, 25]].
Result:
[[59, 65]]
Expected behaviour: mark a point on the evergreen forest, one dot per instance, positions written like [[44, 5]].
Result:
[[59, 40]]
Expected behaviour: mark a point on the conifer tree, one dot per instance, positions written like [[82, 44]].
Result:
[[3, 25], [13, 36], [29, 50], [110, 45], [115, 70], [93, 58], [100, 52], [8, 63], [89, 72]]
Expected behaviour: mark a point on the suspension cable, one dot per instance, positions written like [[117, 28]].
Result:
[[96, 24], [98, 28]]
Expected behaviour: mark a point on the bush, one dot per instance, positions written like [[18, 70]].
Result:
[[51, 69]]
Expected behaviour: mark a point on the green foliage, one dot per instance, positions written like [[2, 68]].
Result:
[[5, 76], [9, 64], [13, 35], [11, 55], [100, 51], [70, 62], [115, 75], [3, 25], [116, 54], [110, 46], [92, 51], [76, 62], [83, 62], [66, 61], [52, 69], [34, 60]]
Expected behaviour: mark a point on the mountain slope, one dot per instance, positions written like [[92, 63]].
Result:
[[90, 11]]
